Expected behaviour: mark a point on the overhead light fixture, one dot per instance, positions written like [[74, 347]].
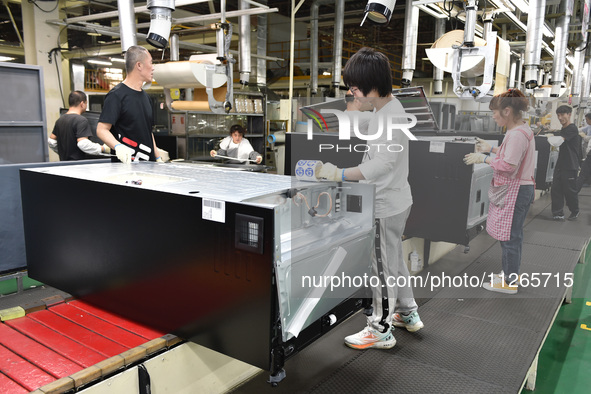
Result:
[[99, 62], [379, 11], [93, 33], [117, 60], [6, 58]]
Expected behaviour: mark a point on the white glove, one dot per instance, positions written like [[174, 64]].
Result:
[[124, 153], [106, 148], [259, 159], [159, 160], [555, 141], [52, 144], [474, 158], [330, 172], [483, 146], [164, 155]]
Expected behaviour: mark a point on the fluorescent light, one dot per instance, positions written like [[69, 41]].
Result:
[[6, 58], [117, 60], [101, 62]]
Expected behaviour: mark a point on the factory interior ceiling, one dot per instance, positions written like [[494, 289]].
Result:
[[79, 41]]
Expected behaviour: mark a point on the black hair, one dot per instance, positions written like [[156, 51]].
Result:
[[564, 109], [513, 98], [588, 115], [367, 70], [237, 128], [76, 97]]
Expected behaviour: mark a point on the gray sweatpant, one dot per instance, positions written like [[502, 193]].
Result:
[[388, 265]]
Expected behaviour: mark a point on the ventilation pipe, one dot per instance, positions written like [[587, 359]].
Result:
[[586, 91], [578, 68], [174, 47], [244, 26], [160, 22], [520, 71], [262, 49], [560, 45], [512, 72], [533, 43], [488, 27], [409, 50], [470, 24], [314, 43], [127, 26], [437, 72], [339, 27]]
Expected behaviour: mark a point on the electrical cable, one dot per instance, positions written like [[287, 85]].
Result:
[[34, 2], [312, 211]]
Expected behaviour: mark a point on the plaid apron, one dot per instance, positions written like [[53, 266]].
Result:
[[500, 218]]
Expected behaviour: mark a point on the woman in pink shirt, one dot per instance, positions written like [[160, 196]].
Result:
[[512, 189]]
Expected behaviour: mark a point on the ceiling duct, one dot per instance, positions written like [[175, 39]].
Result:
[[560, 46], [533, 43], [437, 72], [379, 11], [409, 50], [314, 43], [127, 26], [160, 22], [244, 56], [337, 58]]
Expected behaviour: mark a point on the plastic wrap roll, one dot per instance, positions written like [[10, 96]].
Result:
[[187, 74], [200, 101], [440, 54], [277, 138], [306, 170], [190, 105]]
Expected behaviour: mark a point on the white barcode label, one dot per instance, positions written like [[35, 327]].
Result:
[[213, 210]]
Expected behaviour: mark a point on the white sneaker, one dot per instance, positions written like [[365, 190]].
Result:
[[412, 322], [370, 337]]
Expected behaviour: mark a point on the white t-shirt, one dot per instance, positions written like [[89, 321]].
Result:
[[386, 163]]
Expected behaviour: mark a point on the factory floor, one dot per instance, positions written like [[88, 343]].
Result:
[[481, 342]]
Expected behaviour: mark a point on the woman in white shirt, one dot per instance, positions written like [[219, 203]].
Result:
[[235, 145]]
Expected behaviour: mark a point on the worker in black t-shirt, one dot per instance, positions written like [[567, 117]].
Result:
[[69, 138], [564, 183], [126, 121]]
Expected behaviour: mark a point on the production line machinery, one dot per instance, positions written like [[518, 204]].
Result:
[[231, 260]]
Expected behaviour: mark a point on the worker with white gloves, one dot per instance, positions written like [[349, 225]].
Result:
[[483, 149], [555, 140], [126, 121], [236, 146], [393, 305], [512, 188], [71, 132]]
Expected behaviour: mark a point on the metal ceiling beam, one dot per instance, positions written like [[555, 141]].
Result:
[[115, 14]]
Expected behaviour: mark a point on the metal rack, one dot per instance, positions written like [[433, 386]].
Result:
[[198, 132]]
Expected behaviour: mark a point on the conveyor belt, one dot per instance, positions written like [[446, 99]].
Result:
[[473, 341], [53, 346]]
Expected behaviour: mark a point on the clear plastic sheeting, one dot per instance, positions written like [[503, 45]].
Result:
[[321, 260]]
